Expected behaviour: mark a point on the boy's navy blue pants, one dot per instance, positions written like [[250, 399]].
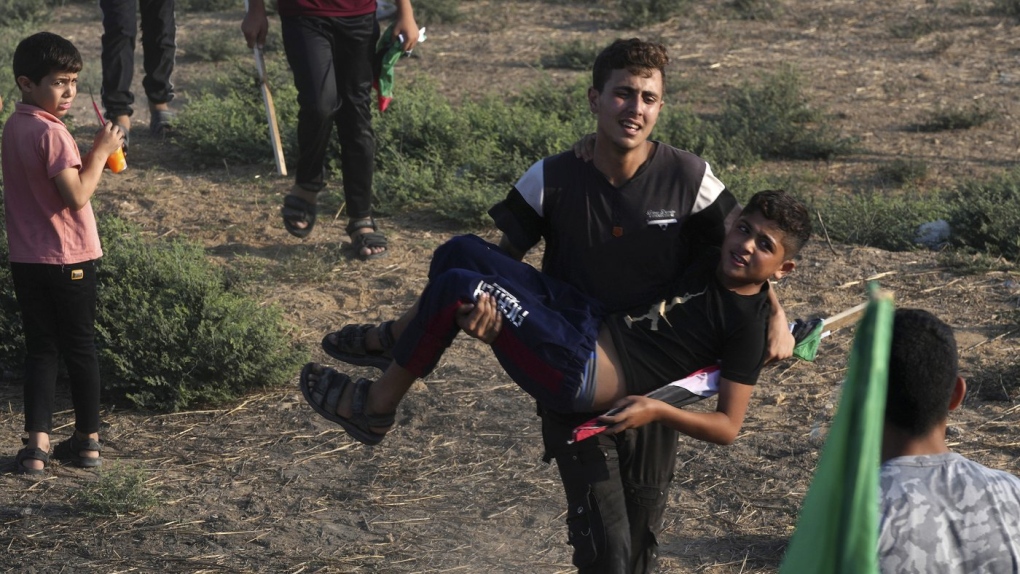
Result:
[[547, 342]]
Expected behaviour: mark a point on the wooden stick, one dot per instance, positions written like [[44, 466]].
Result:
[[844, 318], [274, 128]]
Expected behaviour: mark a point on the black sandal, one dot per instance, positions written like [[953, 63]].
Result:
[[31, 453], [369, 240], [70, 450], [324, 395], [351, 347], [296, 210]]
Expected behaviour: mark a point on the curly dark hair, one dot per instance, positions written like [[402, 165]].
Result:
[[634, 55], [923, 366], [790, 215], [43, 53]]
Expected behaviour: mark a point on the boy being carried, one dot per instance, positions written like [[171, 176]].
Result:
[[557, 344]]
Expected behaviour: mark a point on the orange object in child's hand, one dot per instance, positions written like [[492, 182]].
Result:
[[117, 162]]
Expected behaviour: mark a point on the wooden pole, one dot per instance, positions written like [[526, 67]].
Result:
[[267, 99]]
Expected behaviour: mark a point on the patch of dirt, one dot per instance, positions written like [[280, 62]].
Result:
[[458, 486]]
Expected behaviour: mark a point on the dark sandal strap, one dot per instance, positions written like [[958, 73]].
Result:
[[386, 340], [363, 223], [359, 400]]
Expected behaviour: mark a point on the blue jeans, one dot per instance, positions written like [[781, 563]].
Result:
[[58, 314]]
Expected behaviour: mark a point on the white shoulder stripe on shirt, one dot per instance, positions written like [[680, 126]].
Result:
[[531, 186], [710, 189]]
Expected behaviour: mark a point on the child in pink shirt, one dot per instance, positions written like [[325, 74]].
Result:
[[51, 232]]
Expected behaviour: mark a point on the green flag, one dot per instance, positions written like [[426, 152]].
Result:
[[837, 530]]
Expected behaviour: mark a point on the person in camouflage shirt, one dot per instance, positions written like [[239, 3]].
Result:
[[940, 512]]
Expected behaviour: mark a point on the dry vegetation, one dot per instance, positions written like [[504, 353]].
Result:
[[458, 486]]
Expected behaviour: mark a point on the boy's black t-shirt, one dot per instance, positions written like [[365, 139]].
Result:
[[702, 325]]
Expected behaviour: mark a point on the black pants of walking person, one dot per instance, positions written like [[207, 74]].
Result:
[[331, 59], [159, 47], [58, 314], [617, 487]]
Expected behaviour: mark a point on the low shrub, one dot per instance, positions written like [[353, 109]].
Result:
[[877, 220], [903, 171], [171, 332], [773, 119], [955, 118], [571, 55], [985, 215], [437, 12], [641, 13], [116, 491]]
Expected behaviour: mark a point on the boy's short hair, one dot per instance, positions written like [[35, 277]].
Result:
[[789, 214], [43, 53], [634, 55], [923, 366]]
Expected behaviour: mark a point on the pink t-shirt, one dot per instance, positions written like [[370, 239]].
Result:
[[41, 228]]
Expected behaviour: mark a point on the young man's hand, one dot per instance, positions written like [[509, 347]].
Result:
[[406, 26], [481, 319], [255, 25]]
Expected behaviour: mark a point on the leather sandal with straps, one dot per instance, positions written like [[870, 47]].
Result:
[[324, 394]]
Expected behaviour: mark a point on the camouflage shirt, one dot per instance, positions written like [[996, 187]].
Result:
[[947, 514]]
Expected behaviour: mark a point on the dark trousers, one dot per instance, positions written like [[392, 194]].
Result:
[[616, 487], [547, 343], [331, 59], [58, 315], [159, 46]]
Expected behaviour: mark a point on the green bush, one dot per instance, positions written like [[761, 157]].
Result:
[[13, 12], [680, 127], [641, 13], [985, 216], [877, 220], [215, 46], [172, 334], [756, 9], [1008, 7], [955, 118], [571, 55], [428, 12], [774, 120], [903, 171], [117, 490]]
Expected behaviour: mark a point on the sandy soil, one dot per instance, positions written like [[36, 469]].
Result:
[[458, 486]]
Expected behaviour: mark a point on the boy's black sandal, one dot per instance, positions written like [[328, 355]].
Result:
[[31, 453], [349, 345], [324, 395], [368, 240], [70, 450], [296, 210]]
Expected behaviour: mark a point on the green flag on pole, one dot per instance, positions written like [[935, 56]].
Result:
[[837, 530]]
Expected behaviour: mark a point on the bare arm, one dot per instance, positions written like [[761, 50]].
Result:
[[76, 186], [719, 427], [780, 342], [481, 320], [505, 245], [406, 25], [255, 25]]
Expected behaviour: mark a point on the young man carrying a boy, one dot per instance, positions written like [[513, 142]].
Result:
[[940, 512], [560, 347], [620, 229]]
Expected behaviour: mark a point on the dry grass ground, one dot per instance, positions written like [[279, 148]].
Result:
[[264, 485]]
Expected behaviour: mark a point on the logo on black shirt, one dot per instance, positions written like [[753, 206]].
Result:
[[661, 217]]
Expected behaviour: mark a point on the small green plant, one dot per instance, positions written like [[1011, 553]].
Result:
[[773, 120], [437, 12], [640, 13], [985, 216], [572, 55], [756, 9], [1008, 7], [955, 118], [914, 27], [118, 490], [878, 220], [214, 46], [903, 171]]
